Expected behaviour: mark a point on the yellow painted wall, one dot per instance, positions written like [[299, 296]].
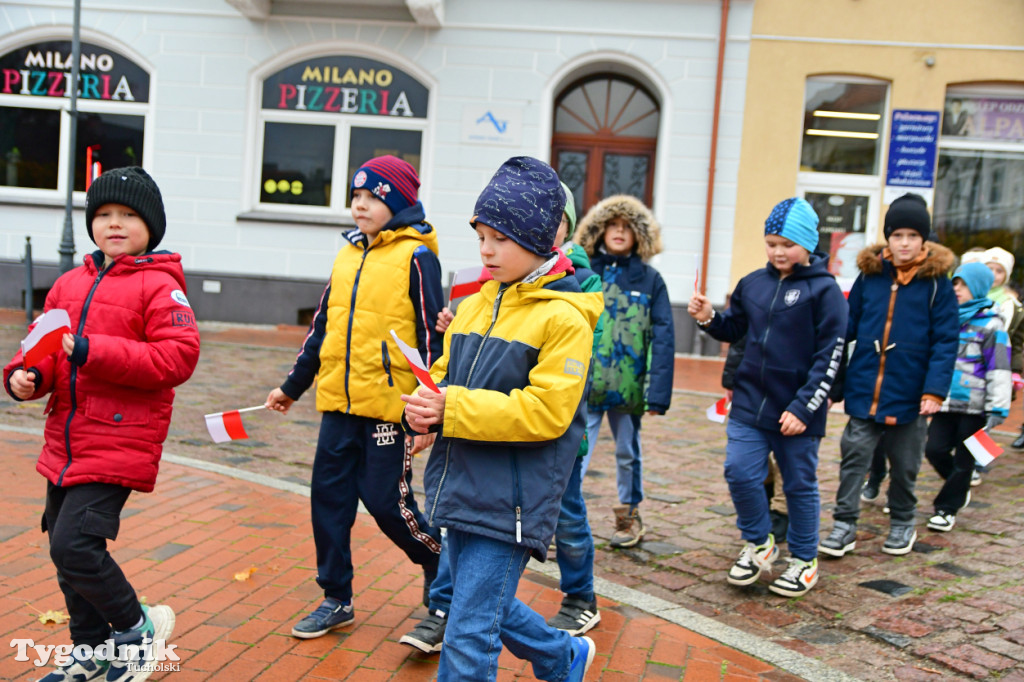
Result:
[[884, 39]]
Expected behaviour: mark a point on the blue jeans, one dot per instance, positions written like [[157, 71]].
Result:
[[487, 615], [441, 588], [746, 465], [574, 544], [628, 456]]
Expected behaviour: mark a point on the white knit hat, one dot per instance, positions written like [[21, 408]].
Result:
[[1001, 256]]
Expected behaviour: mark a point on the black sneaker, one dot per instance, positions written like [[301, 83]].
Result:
[[841, 540], [900, 541], [78, 670], [134, 647], [942, 521], [1018, 442], [428, 635], [576, 616], [869, 493], [752, 560], [330, 615]]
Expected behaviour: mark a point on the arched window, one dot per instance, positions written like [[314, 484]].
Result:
[[605, 139]]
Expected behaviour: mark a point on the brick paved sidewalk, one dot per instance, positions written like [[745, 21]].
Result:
[[183, 544]]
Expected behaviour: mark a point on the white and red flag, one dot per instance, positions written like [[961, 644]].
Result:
[[226, 426], [468, 281], [46, 336], [983, 447], [719, 411], [412, 356]]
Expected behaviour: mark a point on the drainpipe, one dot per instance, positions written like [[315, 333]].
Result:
[[723, 30]]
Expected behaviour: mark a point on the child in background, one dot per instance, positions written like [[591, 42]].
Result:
[[1000, 262], [794, 317], [510, 416], [134, 340], [979, 396], [635, 357], [903, 320], [386, 277]]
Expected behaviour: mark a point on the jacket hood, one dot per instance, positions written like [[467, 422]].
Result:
[[590, 233], [160, 260], [938, 263], [577, 255], [556, 284], [816, 267]]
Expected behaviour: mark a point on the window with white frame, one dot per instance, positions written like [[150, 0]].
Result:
[[979, 188], [113, 108], [321, 118], [844, 122]]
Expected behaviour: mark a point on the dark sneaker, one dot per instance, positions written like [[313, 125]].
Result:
[[1018, 442], [900, 541], [942, 521], [134, 647], [629, 527], [428, 635], [576, 616], [330, 615], [752, 560], [78, 670], [841, 540], [583, 655], [797, 579], [869, 493]]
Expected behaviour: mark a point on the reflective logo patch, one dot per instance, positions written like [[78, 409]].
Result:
[[385, 434], [178, 296], [574, 367], [792, 296], [360, 179]]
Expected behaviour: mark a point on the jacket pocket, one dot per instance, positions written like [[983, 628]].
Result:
[[117, 412], [100, 524]]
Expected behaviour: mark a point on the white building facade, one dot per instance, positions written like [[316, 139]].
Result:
[[252, 115]]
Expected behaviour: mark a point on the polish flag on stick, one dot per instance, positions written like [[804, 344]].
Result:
[[719, 411], [225, 426], [45, 337], [983, 447], [468, 281], [412, 356]]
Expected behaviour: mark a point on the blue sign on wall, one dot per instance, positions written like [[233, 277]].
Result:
[[912, 143]]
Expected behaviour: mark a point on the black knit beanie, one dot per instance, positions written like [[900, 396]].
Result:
[[910, 211], [132, 187]]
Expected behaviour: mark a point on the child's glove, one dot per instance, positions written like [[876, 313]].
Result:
[[993, 421], [1018, 382]]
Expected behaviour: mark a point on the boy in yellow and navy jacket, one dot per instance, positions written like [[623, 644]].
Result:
[[510, 417], [386, 277]]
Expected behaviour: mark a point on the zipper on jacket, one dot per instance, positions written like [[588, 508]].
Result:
[[385, 360], [73, 379], [448, 450], [764, 343], [518, 493], [348, 331], [885, 348]]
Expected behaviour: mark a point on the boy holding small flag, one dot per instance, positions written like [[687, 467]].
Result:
[[386, 277], [133, 339], [510, 416], [979, 396]]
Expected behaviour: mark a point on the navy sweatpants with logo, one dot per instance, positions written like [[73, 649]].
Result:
[[358, 458]]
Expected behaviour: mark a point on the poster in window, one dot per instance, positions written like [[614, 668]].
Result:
[[842, 221]]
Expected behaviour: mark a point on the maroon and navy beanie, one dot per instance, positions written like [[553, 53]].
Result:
[[391, 180], [524, 201], [132, 187]]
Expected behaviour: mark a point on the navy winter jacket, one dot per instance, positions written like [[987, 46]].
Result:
[[904, 337], [794, 329]]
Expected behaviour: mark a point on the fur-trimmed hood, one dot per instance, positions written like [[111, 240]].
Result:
[[939, 262], [590, 233]]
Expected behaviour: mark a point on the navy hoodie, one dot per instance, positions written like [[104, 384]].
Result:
[[794, 328]]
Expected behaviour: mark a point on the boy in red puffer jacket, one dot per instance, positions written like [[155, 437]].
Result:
[[134, 338]]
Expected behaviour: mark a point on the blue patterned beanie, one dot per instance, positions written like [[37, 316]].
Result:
[[524, 201], [977, 277], [795, 220]]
